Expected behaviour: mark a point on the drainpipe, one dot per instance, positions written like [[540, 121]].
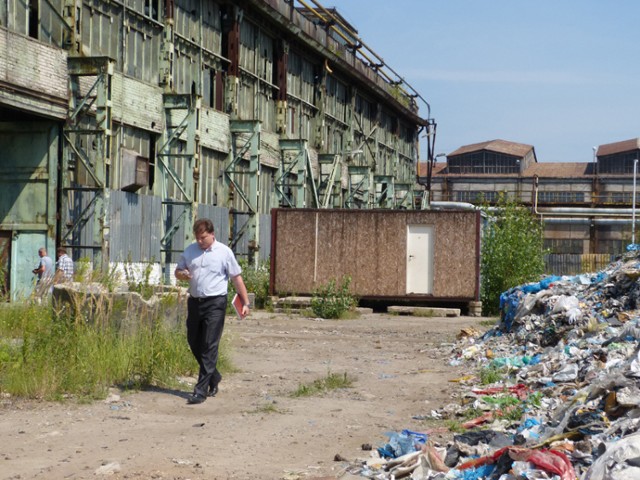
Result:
[[610, 212], [633, 203], [588, 221], [431, 159]]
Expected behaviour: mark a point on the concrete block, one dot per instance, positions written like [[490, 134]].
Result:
[[292, 302], [364, 310], [475, 309]]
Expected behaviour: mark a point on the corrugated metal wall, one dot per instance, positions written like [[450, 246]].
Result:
[[136, 228], [220, 218], [241, 247], [265, 237], [136, 222]]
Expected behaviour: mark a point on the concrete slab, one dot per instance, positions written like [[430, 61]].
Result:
[[424, 311], [364, 310], [292, 302]]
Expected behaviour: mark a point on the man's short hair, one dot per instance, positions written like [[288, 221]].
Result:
[[202, 225], [61, 251]]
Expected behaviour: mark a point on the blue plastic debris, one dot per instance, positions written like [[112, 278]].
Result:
[[402, 443]]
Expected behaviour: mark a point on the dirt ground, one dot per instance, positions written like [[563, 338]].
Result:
[[254, 429]]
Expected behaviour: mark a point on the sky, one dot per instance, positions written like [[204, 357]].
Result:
[[561, 75]]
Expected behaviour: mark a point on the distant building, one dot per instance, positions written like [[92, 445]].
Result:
[[586, 207]]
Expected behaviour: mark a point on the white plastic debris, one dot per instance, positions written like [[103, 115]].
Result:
[[621, 461]]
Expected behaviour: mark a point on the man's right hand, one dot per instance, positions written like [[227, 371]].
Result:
[[183, 274]]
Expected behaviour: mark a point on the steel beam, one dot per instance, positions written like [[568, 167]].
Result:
[[384, 191], [296, 173], [245, 145], [87, 149], [330, 188], [178, 164], [404, 196], [359, 187]]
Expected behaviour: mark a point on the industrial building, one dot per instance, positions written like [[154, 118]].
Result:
[[588, 208], [121, 121]]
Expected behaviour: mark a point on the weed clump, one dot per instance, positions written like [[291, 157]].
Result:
[[332, 301], [332, 381]]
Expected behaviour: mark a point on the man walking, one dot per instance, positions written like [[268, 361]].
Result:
[[208, 265]]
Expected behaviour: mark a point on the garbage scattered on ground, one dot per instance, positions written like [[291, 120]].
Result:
[[556, 393]]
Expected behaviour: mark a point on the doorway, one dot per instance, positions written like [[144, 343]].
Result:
[[420, 246]]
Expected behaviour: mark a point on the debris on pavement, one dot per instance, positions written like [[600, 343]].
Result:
[[555, 392]]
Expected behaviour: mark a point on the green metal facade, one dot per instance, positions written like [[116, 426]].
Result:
[[246, 105]]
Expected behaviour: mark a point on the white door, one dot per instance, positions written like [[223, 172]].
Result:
[[420, 259]]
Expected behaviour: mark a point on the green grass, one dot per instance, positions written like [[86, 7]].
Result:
[[454, 426], [48, 357], [512, 414], [489, 322], [268, 408], [534, 400], [501, 401], [332, 381], [350, 315], [346, 315], [490, 375], [471, 413]]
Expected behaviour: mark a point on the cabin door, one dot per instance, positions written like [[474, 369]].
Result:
[[420, 241]]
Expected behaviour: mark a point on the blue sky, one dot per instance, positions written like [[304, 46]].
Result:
[[563, 76]]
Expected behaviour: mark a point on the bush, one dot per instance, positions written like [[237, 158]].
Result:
[[257, 281], [330, 301], [512, 252]]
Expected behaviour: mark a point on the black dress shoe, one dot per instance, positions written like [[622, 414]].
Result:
[[195, 399], [213, 391]]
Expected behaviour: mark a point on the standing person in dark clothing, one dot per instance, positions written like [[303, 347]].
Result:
[[208, 265]]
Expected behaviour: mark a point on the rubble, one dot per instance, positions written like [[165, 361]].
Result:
[[565, 400], [127, 310]]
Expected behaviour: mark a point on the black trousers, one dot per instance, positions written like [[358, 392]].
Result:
[[205, 322]]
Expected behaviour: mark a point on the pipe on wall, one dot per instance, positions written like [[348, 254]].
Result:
[[576, 211], [455, 205], [588, 221]]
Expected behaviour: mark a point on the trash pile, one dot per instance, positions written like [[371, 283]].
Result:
[[556, 394]]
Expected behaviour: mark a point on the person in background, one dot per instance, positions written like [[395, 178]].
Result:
[[64, 267], [45, 272], [208, 265]]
